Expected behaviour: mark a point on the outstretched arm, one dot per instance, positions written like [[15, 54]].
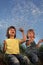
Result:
[[39, 42], [24, 36]]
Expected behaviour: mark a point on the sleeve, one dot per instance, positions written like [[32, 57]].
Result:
[[19, 40]]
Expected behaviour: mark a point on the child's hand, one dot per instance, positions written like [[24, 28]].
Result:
[[21, 29], [40, 41]]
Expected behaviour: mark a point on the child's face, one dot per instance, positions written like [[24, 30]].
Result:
[[12, 32], [30, 34]]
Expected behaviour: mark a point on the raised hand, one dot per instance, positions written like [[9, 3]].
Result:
[[21, 29], [40, 41]]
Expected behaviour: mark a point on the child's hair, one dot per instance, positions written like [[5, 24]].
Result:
[[7, 34], [31, 30]]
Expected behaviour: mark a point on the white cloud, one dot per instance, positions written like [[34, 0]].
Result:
[[35, 10], [3, 24], [19, 14]]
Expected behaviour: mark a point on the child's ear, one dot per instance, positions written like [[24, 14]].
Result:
[[9, 32]]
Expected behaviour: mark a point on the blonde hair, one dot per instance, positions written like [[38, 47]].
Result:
[[31, 30]]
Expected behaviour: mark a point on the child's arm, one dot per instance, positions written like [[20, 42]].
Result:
[[4, 46], [24, 36], [40, 41]]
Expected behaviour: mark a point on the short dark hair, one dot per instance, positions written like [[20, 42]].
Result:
[[31, 30], [7, 34]]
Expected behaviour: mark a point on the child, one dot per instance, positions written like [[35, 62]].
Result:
[[11, 46], [31, 50]]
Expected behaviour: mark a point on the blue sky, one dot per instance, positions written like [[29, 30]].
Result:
[[21, 13]]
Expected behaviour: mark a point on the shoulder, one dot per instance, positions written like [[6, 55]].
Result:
[[17, 39], [5, 41], [34, 42]]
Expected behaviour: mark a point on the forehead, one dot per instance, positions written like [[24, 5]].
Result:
[[11, 29], [31, 32]]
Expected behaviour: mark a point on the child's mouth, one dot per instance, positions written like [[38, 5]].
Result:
[[12, 32]]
